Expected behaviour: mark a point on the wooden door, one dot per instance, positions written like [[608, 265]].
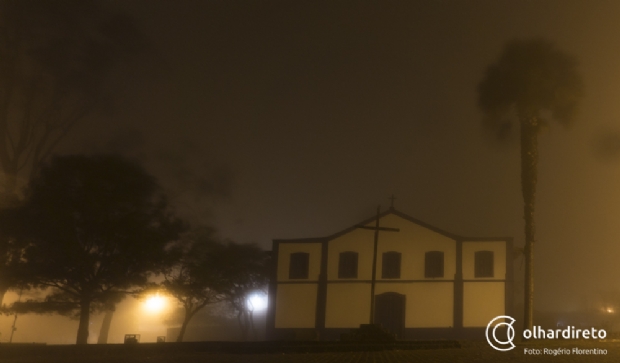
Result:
[[390, 312]]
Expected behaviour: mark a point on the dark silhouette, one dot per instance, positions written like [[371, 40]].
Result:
[[192, 280], [531, 77], [244, 269], [210, 272], [95, 227], [109, 307], [53, 70], [11, 265], [105, 327]]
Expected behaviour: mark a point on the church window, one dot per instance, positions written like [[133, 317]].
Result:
[[347, 265], [298, 268], [390, 266], [483, 262], [433, 264]]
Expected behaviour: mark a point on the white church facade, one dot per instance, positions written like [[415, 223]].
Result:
[[428, 283]]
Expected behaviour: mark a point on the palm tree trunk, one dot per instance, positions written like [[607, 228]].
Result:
[[529, 161], [82, 335]]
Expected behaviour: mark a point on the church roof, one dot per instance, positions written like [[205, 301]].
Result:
[[399, 214]]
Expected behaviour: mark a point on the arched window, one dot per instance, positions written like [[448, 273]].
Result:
[[433, 264], [347, 265], [390, 266], [483, 262], [299, 264]]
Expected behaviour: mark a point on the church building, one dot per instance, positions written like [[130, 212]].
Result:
[[427, 283]]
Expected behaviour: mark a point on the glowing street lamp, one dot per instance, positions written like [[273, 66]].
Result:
[[155, 304], [257, 302]]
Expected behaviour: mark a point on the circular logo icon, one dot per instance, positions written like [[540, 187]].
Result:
[[491, 333]]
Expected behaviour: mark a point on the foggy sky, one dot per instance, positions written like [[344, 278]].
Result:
[[321, 111], [297, 118]]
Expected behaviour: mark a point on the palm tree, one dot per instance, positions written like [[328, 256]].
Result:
[[531, 79]]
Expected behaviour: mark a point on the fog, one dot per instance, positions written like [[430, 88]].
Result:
[[131, 317], [295, 119]]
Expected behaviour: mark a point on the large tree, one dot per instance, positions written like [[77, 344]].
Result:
[[55, 60], [532, 80], [95, 226], [244, 270], [193, 280], [210, 272]]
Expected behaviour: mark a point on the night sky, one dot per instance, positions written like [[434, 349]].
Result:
[[297, 118]]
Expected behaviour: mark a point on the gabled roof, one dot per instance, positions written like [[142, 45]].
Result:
[[399, 214]]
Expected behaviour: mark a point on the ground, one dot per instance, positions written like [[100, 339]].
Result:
[[469, 352]]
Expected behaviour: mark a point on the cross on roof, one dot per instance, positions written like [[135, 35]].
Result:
[[376, 228], [392, 199]]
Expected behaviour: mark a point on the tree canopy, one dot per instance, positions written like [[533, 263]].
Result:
[[192, 280], [94, 227], [530, 76], [210, 271], [55, 58], [245, 271]]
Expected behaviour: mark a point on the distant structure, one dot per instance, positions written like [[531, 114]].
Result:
[[428, 283]]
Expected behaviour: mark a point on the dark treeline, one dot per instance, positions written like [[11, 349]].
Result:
[[92, 230]]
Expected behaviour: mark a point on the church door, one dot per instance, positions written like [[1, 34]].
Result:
[[390, 312]]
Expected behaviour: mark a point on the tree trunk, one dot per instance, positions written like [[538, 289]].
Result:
[[241, 325], [188, 317], [105, 327], [244, 324], [10, 186], [246, 317], [9, 197], [254, 331], [529, 161], [3, 290], [82, 334], [10, 194]]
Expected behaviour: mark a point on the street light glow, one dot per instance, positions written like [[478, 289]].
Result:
[[155, 304], [257, 302]]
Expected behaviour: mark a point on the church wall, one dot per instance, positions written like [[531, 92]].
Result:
[[413, 241], [296, 305], [348, 305], [482, 301], [428, 304], [499, 258]]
